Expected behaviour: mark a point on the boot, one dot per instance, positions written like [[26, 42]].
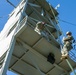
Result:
[[64, 57]]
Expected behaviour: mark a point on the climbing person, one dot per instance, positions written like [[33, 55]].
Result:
[[67, 41], [40, 29]]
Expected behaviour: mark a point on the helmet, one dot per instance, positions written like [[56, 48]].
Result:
[[68, 33]]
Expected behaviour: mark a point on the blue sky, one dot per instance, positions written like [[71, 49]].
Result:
[[67, 12]]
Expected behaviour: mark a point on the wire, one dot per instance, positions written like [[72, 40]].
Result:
[[67, 22], [4, 16], [17, 1], [11, 3]]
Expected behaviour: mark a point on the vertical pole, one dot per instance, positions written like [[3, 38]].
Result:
[[59, 40], [7, 58], [70, 66]]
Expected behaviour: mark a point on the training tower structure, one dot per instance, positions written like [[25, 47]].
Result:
[[23, 50]]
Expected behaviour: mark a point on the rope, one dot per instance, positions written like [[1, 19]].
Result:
[[70, 66]]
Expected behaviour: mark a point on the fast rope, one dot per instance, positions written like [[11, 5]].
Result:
[[61, 45]]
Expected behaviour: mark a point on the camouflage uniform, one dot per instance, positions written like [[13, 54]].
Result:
[[40, 29], [67, 45]]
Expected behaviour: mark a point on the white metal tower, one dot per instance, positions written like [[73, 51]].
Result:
[[23, 50]]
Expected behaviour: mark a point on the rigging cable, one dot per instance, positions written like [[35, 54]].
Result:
[[67, 22]]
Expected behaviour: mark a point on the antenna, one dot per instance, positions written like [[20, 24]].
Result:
[[57, 6]]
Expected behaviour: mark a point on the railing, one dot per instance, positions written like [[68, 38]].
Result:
[[72, 55], [21, 23], [32, 23]]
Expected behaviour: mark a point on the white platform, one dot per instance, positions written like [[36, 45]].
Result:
[[30, 54]]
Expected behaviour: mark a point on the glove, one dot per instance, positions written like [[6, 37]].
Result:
[[73, 41]]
